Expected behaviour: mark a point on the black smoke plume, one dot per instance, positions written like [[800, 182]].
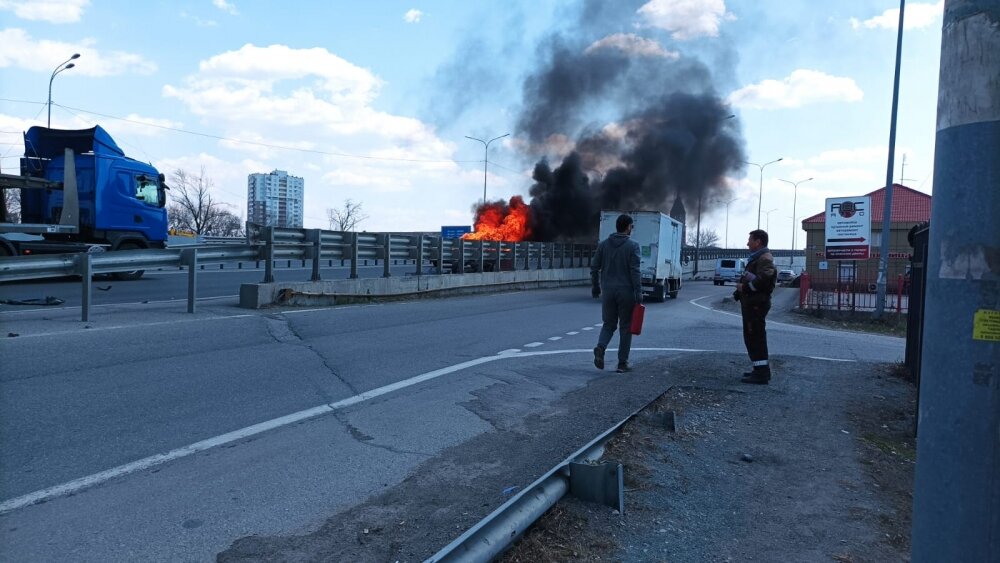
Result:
[[633, 132]]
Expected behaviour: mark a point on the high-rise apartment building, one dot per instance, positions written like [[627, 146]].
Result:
[[275, 199]]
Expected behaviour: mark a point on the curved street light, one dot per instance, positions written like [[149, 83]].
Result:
[[62, 66], [760, 197], [768, 215], [795, 195], [486, 157]]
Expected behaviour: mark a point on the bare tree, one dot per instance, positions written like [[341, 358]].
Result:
[[346, 218], [10, 206], [193, 208], [708, 238]]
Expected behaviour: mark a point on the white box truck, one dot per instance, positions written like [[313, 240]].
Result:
[[659, 238]]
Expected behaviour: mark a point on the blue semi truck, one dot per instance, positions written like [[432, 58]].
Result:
[[80, 193]]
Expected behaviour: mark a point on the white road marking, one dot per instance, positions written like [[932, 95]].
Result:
[[158, 459], [599, 325], [533, 344], [509, 351], [554, 338], [830, 359], [588, 328], [572, 333], [798, 327]]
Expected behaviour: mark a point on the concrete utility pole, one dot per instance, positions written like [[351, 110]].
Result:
[[956, 505]]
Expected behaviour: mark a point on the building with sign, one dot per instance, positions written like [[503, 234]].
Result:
[[909, 207]]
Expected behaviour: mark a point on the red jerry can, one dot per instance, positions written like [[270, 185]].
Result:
[[638, 312]]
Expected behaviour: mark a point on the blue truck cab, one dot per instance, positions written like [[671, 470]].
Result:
[[80, 191]]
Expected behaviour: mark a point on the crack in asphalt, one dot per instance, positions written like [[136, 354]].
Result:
[[281, 329], [367, 440]]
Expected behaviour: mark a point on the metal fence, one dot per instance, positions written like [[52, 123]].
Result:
[[848, 296]]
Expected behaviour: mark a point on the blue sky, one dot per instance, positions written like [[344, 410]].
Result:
[[372, 100]]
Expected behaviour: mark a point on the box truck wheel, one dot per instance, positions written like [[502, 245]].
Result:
[[673, 289], [659, 294], [134, 274]]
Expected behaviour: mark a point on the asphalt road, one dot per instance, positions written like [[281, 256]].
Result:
[[150, 434]]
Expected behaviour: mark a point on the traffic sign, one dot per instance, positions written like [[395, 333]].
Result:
[[454, 232], [848, 228]]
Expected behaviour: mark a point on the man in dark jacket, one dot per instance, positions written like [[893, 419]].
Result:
[[753, 291], [615, 269]]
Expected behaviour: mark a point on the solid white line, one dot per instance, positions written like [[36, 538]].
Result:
[[533, 344], [830, 359], [554, 338], [154, 460]]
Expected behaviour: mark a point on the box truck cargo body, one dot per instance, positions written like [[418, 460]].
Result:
[[659, 238]]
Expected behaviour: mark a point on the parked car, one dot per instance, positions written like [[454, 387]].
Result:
[[785, 276]]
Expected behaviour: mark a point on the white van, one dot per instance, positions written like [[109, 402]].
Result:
[[728, 269]]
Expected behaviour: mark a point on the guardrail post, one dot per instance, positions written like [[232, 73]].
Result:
[[84, 267], [189, 257], [420, 255], [316, 237], [387, 249], [440, 253], [562, 255], [354, 255], [513, 256], [482, 254], [541, 247], [461, 258], [268, 254]]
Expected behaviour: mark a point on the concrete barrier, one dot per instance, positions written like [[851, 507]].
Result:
[[333, 292]]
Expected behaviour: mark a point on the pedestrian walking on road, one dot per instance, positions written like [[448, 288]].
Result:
[[753, 291], [614, 273]]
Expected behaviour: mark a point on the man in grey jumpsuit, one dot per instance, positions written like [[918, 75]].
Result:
[[615, 270]]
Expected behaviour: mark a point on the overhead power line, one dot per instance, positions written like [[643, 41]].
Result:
[[255, 143]]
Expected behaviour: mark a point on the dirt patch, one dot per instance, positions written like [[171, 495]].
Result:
[[805, 469]]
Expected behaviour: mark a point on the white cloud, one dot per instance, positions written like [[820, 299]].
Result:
[[686, 19], [801, 87], [52, 11], [633, 45], [18, 49], [413, 16], [917, 16], [198, 20], [226, 7]]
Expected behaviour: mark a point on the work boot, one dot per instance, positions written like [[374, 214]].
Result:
[[759, 376], [623, 367], [599, 356]]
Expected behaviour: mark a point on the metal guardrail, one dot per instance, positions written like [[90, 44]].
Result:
[[270, 244]]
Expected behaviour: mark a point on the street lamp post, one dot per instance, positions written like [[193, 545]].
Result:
[[768, 224], [795, 195], [760, 198], [486, 158], [727, 217], [62, 66]]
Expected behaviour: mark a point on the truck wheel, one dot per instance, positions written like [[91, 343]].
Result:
[[134, 274], [659, 294]]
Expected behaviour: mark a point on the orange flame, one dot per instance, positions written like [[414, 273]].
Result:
[[500, 221]]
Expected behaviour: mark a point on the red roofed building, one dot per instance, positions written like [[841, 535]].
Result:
[[909, 207]]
